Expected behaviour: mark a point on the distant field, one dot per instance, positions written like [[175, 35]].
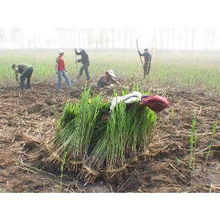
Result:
[[200, 70]]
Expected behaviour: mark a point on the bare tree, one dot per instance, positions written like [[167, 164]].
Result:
[[2, 37], [193, 39], [16, 36]]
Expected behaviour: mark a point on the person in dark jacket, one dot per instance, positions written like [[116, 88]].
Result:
[[108, 79], [26, 71], [85, 62], [147, 61]]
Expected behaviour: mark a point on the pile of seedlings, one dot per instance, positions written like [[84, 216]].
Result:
[[92, 141]]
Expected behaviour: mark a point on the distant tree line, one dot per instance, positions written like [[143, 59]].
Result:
[[112, 38]]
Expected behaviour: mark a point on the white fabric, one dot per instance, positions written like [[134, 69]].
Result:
[[79, 50], [61, 51], [111, 73], [129, 98]]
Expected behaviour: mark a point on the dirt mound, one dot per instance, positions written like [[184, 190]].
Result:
[[27, 123]]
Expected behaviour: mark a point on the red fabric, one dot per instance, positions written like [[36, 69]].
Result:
[[155, 102], [61, 64]]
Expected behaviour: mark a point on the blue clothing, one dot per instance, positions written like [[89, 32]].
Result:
[[63, 74]]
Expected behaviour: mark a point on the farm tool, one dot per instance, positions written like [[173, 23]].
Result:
[[139, 54], [76, 63], [16, 77]]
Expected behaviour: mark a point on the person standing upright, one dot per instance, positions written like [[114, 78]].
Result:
[[147, 61], [85, 62], [61, 71], [26, 71]]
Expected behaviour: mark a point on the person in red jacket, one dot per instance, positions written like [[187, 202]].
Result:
[[61, 71]]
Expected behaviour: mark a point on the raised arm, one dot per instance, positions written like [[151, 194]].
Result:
[[77, 53], [140, 54]]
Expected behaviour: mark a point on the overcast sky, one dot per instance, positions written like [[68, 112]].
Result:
[[47, 14]]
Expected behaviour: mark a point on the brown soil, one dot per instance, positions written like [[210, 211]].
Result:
[[27, 121]]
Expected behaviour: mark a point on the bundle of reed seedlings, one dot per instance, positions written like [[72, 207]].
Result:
[[92, 140]]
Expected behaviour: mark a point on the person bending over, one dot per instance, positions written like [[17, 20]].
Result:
[[26, 71], [108, 79]]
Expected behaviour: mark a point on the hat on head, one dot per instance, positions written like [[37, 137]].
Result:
[[79, 49], [61, 51], [111, 73]]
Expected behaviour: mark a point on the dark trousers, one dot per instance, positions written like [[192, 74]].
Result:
[[146, 68], [26, 75], [85, 68]]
